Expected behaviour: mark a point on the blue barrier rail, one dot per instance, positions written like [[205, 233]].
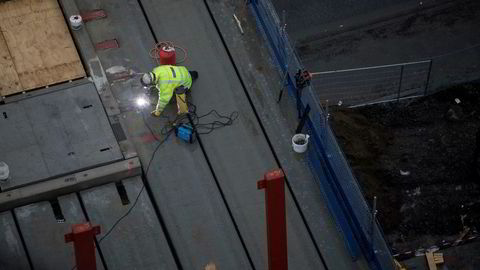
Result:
[[362, 233]]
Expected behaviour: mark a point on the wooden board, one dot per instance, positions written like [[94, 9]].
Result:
[[8, 76], [39, 43], [430, 261]]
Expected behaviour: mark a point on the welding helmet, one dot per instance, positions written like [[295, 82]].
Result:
[[148, 79]]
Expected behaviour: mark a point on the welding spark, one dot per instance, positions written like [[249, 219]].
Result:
[[141, 102]]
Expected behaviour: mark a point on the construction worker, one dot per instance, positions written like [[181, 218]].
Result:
[[169, 80]]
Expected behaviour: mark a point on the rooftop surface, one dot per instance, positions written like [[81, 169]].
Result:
[[193, 204]]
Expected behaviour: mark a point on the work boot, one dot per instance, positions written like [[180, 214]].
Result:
[[194, 75]]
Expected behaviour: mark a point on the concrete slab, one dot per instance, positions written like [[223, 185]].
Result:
[[137, 241], [263, 83], [12, 252], [46, 90], [189, 200], [239, 154], [52, 188], [90, 59], [181, 182], [126, 145], [54, 134], [44, 236]]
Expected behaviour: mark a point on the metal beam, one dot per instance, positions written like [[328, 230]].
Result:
[[274, 185], [70, 183]]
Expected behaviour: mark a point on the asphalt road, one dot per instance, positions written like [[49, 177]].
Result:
[[338, 35], [310, 17]]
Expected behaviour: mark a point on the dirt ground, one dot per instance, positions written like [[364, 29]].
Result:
[[417, 157]]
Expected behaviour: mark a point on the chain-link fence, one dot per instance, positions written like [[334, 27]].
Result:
[[353, 87], [370, 85], [346, 202]]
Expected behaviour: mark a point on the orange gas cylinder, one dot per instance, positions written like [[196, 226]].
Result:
[[167, 56]]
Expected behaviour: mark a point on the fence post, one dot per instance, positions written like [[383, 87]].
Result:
[[284, 20], [400, 82], [282, 35], [301, 124], [428, 77], [82, 236], [274, 186], [374, 216], [290, 57], [325, 122]]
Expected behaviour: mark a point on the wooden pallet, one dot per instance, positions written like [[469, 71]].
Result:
[[36, 48]]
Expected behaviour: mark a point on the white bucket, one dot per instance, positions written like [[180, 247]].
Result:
[[296, 142], [4, 171]]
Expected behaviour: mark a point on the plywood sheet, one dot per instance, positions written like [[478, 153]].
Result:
[[39, 42], [8, 76]]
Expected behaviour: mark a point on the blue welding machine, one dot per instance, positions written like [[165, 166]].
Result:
[[185, 132]]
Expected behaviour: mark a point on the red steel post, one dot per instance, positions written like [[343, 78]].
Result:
[[274, 186], [82, 236]]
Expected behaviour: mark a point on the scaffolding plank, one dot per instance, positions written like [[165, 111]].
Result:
[[39, 42], [54, 134], [8, 75], [12, 253], [138, 241], [44, 236]]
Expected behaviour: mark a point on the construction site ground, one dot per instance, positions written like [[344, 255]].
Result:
[[193, 204], [417, 157]]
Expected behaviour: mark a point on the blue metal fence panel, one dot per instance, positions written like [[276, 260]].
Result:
[[326, 160]]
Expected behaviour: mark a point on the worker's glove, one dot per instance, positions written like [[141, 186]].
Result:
[[151, 91], [156, 113]]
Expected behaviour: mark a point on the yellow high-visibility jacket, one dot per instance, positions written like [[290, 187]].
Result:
[[167, 79]]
